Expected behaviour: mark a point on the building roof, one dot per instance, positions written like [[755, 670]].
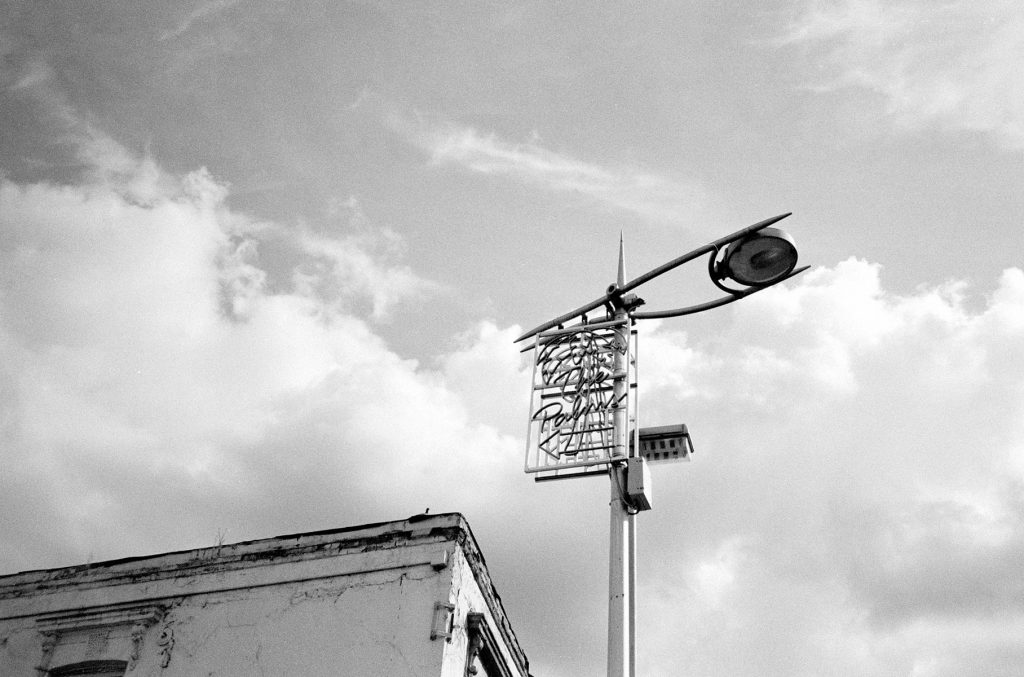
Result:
[[416, 530]]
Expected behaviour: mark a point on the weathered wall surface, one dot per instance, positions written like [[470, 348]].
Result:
[[365, 624], [304, 605]]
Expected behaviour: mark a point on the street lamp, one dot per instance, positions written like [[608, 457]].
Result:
[[584, 408], [759, 260]]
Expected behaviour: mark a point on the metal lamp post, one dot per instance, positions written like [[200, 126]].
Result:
[[584, 416]]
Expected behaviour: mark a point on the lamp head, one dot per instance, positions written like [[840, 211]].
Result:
[[761, 259]]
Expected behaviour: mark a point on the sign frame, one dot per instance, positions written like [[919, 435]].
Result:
[[572, 408]]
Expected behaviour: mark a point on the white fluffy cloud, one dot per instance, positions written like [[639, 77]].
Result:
[[148, 358], [857, 496], [950, 65]]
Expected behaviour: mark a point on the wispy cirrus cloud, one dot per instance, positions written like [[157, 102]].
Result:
[[951, 65], [633, 189], [202, 11]]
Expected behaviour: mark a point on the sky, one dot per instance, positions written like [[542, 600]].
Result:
[[262, 265]]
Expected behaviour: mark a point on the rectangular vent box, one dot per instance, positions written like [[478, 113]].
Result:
[[665, 443]]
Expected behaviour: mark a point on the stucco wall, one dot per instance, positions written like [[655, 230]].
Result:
[[364, 624]]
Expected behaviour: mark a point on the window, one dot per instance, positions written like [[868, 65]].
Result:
[[99, 641], [485, 658], [91, 668]]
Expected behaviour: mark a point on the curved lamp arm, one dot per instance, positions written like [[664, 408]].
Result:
[[616, 292], [700, 307]]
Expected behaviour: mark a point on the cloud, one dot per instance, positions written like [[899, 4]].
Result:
[[335, 267], [950, 65], [944, 558], [856, 496], [73, 143], [631, 189], [202, 12], [142, 342]]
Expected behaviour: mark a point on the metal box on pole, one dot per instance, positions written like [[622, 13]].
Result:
[[638, 483]]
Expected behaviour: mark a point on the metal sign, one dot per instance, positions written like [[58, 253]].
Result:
[[574, 402]]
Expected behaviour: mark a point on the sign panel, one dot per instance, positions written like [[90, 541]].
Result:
[[573, 407]]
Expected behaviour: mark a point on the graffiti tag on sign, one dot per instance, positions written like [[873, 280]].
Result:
[[574, 401]]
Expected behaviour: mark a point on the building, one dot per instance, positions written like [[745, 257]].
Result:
[[406, 598]]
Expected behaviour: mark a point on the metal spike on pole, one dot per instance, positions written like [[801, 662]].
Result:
[[620, 279]]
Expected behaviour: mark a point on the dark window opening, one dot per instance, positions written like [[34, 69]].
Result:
[[92, 668]]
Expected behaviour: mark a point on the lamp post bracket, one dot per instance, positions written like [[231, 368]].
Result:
[[619, 289]]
